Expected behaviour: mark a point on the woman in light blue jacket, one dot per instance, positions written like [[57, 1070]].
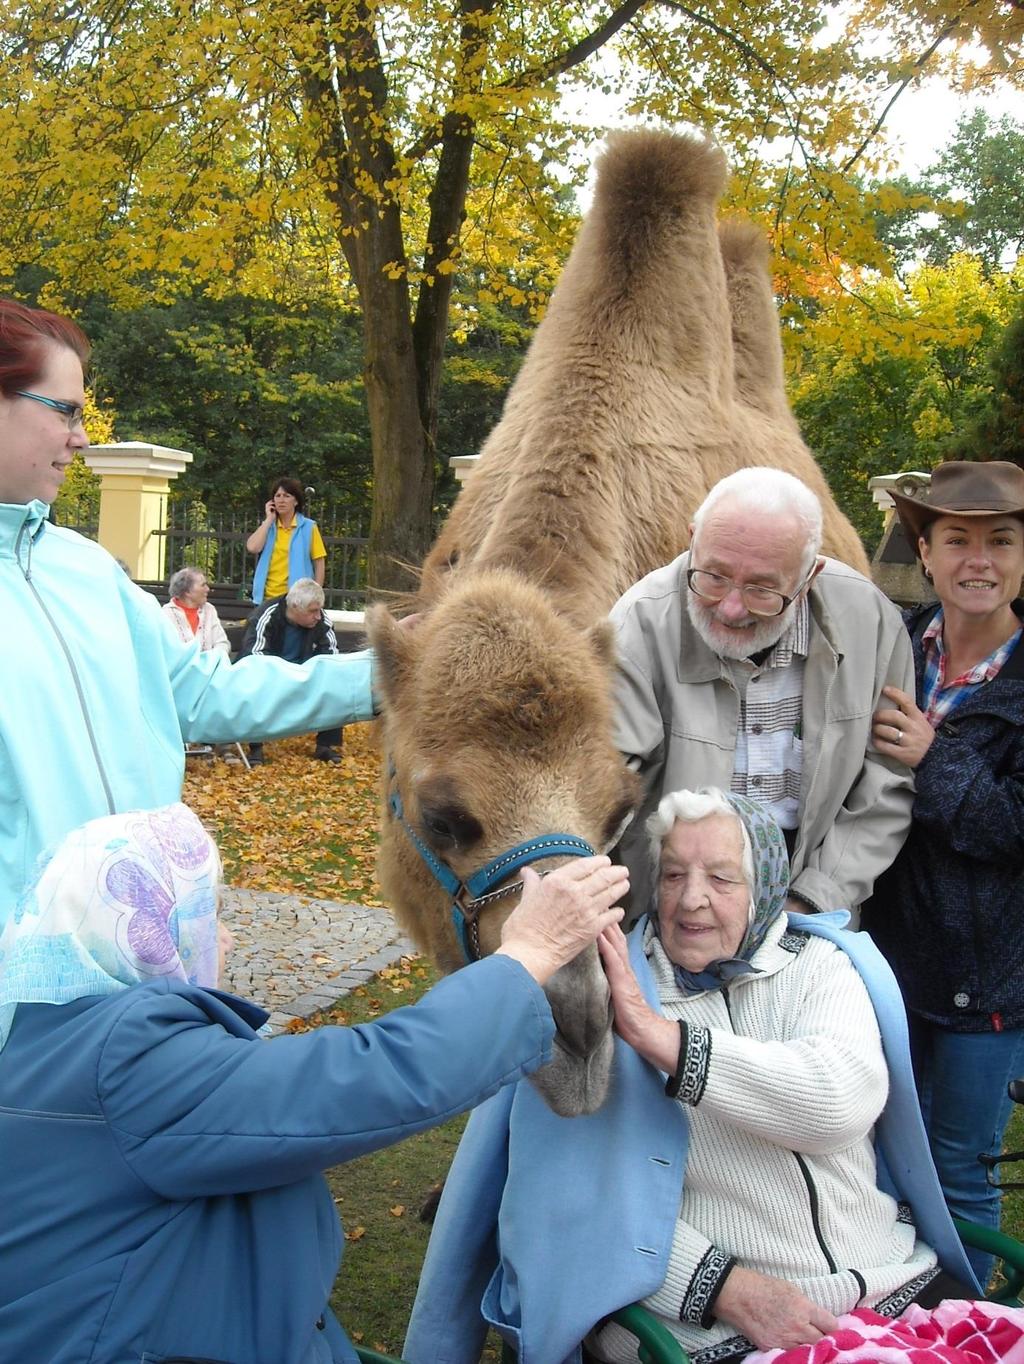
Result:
[[99, 693], [161, 1177]]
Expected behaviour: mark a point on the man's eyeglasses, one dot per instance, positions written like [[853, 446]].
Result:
[[759, 601], [71, 412]]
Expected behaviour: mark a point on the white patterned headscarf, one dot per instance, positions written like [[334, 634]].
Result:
[[122, 900]]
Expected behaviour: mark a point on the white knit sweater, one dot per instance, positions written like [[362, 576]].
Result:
[[784, 1080], [210, 633]]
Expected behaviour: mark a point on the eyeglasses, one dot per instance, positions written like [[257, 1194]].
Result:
[[71, 412], [759, 601]]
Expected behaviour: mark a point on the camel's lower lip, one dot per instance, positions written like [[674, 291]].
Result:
[[573, 1086]]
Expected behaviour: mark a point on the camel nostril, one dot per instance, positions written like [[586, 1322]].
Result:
[[567, 1045], [586, 1035]]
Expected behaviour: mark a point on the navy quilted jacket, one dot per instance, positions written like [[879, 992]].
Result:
[[949, 913]]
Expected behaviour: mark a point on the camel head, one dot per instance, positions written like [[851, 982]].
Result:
[[497, 731]]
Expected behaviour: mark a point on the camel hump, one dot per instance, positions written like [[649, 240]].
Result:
[[644, 173], [756, 341], [744, 246]]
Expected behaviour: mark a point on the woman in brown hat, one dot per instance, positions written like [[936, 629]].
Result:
[[949, 913]]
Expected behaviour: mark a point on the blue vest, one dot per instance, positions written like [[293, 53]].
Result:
[[300, 564], [605, 1241]]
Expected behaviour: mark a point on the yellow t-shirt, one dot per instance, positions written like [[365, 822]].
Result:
[[277, 569]]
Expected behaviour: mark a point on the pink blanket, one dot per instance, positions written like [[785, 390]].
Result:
[[952, 1333]]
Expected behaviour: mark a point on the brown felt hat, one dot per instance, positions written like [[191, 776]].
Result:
[[962, 488]]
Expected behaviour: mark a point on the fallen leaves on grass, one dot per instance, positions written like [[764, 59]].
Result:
[[295, 825], [403, 983]]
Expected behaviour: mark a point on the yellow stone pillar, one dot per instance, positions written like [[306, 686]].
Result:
[[135, 481]]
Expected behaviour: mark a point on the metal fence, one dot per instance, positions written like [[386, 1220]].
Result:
[[213, 539]]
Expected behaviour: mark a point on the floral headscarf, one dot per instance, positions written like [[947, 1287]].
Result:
[[122, 900], [768, 898]]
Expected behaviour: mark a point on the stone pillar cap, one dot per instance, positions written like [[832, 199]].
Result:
[[461, 464], [881, 485], [136, 457]]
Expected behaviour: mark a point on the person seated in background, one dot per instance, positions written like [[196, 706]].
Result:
[[161, 1181], [191, 613], [194, 618], [739, 1199], [295, 627]]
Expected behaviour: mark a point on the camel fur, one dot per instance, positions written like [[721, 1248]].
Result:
[[656, 371]]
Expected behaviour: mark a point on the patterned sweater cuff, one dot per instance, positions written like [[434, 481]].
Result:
[[691, 1077], [704, 1287]]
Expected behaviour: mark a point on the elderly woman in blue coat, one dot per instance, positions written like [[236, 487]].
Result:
[[161, 1176], [731, 1181]]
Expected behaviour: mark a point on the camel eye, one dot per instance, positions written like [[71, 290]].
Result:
[[448, 827], [615, 824]]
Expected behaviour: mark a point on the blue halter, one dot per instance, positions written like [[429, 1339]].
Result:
[[477, 892]]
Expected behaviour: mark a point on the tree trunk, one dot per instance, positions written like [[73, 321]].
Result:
[[347, 102], [401, 526], [403, 357]]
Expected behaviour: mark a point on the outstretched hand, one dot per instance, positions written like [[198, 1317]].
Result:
[[655, 1037], [560, 914], [772, 1313]]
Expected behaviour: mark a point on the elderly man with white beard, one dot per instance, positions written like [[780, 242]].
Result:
[[753, 663]]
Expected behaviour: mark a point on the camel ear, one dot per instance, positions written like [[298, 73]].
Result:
[[395, 650], [601, 638]]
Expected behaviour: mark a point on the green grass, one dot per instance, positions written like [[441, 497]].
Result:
[[1013, 1199]]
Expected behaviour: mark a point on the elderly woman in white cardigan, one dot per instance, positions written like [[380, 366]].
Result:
[[191, 612], [739, 1199], [769, 1037]]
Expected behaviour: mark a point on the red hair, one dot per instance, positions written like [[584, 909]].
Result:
[[24, 335]]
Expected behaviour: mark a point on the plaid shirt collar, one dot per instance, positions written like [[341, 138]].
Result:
[[941, 697], [796, 639]]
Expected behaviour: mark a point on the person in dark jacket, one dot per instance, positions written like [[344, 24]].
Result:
[[161, 1176], [297, 628], [949, 914]]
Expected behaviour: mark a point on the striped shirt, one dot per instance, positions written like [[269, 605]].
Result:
[[769, 742], [940, 697]]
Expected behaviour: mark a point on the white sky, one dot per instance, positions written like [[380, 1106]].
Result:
[[923, 120], [920, 124]]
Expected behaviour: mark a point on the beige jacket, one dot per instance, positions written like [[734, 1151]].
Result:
[[678, 712]]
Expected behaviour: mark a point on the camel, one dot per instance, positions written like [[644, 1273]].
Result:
[[656, 371]]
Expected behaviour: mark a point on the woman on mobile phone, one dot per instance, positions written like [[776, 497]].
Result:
[[289, 544]]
